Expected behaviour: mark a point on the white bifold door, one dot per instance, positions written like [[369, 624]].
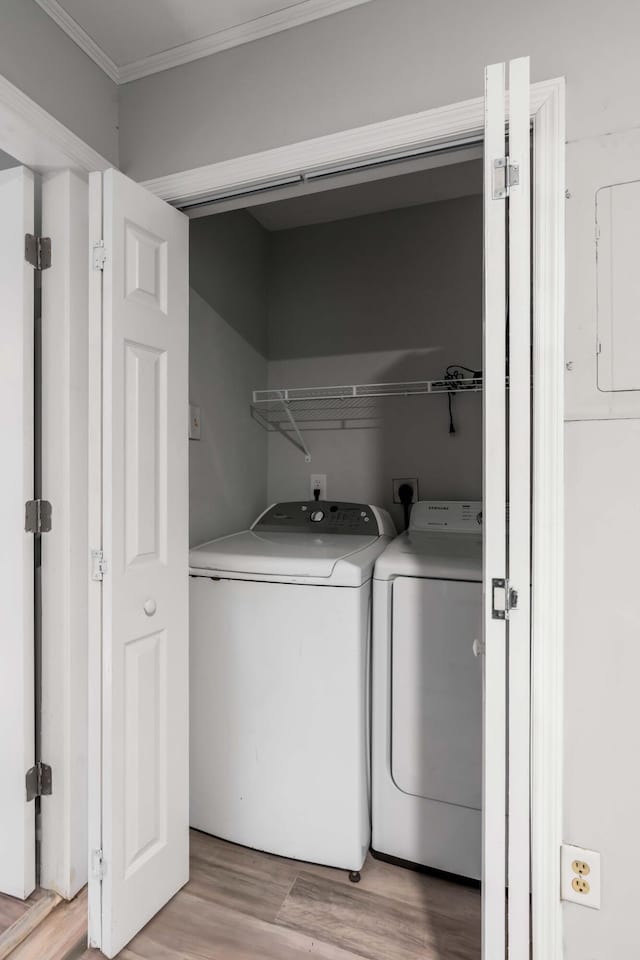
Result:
[[17, 727], [139, 698], [138, 532], [507, 498]]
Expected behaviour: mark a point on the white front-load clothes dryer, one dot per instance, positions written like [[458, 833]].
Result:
[[427, 691], [279, 687]]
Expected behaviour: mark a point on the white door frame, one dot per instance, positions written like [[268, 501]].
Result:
[[40, 141], [462, 122], [45, 146]]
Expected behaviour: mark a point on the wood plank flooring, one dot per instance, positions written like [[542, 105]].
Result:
[[19, 917], [244, 905], [63, 934], [12, 909]]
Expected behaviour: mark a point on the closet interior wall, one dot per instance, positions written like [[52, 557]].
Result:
[[391, 296]]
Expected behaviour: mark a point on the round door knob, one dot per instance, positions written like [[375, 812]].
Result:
[[150, 607]]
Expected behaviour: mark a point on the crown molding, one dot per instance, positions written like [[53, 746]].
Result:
[[292, 16], [81, 37]]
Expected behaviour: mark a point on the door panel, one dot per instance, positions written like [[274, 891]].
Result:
[[519, 623], [507, 563], [436, 691], [63, 572], [17, 745], [144, 617], [495, 559]]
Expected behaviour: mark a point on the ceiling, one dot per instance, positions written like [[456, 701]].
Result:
[[412, 189], [133, 38]]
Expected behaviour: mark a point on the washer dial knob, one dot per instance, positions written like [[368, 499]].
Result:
[[317, 516]]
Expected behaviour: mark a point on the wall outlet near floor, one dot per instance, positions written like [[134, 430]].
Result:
[[194, 422], [580, 876], [413, 483], [318, 481]]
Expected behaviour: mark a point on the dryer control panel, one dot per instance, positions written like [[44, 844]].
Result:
[[321, 516], [449, 516]]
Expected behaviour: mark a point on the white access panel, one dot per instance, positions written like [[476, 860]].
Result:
[[139, 687], [598, 390], [436, 690], [618, 273], [17, 817]]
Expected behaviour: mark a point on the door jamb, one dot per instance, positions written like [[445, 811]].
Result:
[[41, 142]]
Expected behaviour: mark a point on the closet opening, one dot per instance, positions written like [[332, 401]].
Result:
[[336, 448]]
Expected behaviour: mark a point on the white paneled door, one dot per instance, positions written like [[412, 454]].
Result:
[[139, 778], [507, 493], [17, 746]]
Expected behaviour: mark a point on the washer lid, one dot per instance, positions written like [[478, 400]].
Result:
[[341, 559], [442, 556]]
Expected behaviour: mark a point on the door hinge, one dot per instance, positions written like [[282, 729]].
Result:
[[37, 251], [505, 176], [39, 781], [504, 598], [99, 255], [98, 565], [37, 516], [97, 864]]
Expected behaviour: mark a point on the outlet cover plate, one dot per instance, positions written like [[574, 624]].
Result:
[[569, 857], [318, 482], [397, 483]]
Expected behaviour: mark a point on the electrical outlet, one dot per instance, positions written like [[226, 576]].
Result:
[[319, 482], [580, 872], [413, 483], [194, 422]]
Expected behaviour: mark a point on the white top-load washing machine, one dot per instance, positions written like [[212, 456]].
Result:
[[279, 662], [427, 691]]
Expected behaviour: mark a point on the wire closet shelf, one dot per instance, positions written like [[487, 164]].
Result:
[[285, 408]]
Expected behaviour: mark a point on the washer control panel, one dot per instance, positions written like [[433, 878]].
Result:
[[320, 515]]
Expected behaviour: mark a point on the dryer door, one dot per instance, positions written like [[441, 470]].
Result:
[[436, 726]]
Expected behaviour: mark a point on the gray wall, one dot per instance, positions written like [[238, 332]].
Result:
[[42, 61], [384, 298], [227, 338], [378, 60], [7, 161]]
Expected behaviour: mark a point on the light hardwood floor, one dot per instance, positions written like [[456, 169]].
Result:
[[12, 909], [19, 917], [243, 905]]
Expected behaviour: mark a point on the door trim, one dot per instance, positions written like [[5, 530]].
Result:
[[440, 127], [437, 128], [38, 140]]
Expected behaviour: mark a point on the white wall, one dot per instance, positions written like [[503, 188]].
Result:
[[227, 338], [378, 60], [602, 665], [384, 298], [42, 61]]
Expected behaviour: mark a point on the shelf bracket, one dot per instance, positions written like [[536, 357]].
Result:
[[294, 426]]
